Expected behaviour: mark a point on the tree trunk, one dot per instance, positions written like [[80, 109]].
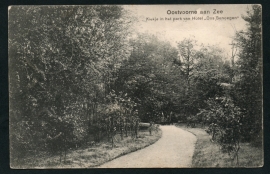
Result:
[[122, 137], [60, 155], [65, 154], [112, 141]]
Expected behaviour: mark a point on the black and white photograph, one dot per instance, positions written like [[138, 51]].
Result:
[[135, 86]]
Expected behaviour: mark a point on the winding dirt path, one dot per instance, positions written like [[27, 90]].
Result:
[[173, 150]]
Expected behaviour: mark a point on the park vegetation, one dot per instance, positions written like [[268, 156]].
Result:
[[79, 75]]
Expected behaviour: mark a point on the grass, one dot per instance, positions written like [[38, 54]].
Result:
[[208, 154], [95, 155]]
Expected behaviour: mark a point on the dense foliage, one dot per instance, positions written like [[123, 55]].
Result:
[[237, 116], [248, 73], [63, 62]]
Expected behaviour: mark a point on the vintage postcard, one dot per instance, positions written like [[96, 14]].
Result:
[[135, 86]]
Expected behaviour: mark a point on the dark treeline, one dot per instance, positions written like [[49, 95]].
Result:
[[78, 74]]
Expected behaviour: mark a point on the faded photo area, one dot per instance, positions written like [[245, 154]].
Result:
[[135, 86]]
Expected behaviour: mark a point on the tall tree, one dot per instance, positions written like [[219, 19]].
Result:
[[248, 93], [59, 59], [145, 76], [187, 53]]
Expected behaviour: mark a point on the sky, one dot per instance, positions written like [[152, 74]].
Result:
[[213, 32]]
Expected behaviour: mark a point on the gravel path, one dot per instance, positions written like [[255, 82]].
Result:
[[173, 150]]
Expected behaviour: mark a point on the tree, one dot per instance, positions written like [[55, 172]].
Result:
[[61, 59], [248, 77], [226, 123], [145, 76], [187, 56], [203, 67]]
